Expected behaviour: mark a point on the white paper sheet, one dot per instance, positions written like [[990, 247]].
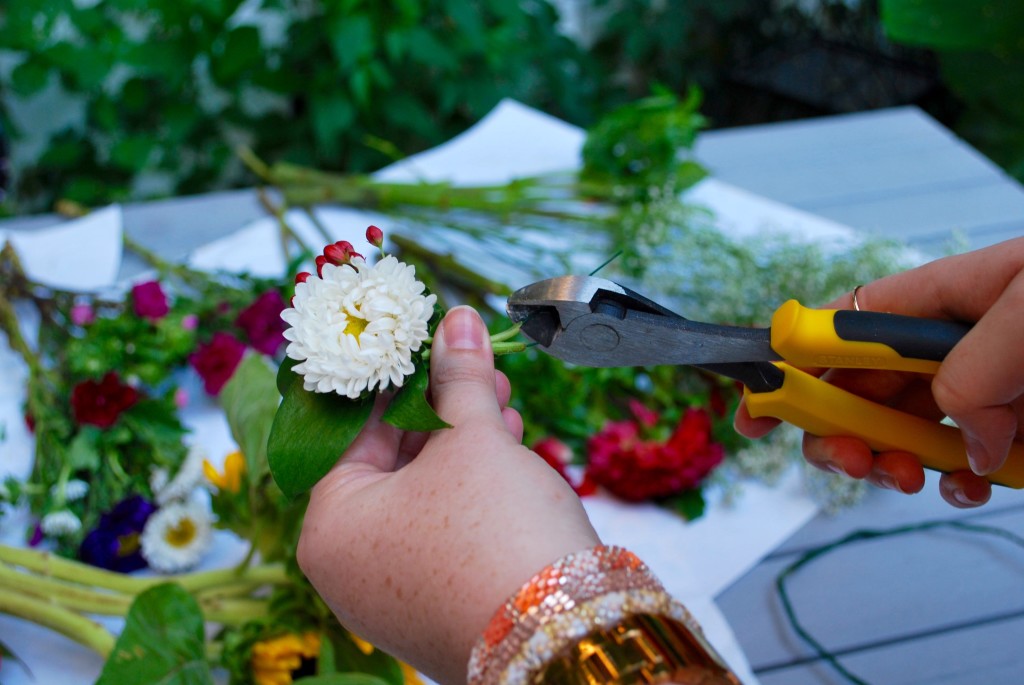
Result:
[[82, 255]]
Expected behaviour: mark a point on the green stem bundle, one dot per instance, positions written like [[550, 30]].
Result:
[[55, 592]]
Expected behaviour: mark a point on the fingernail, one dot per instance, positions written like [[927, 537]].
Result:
[[889, 483], [961, 497], [834, 468], [978, 456], [463, 329]]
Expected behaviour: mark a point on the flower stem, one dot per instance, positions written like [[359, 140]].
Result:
[[67, 595], [67, 569], [78, 628], [507, 334]]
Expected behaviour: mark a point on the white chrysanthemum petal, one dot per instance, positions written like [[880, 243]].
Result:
[[176, 537], [185, 481], [355, 329], [60, 523]]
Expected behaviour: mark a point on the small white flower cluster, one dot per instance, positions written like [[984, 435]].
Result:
[[178, 534], [356, 327]]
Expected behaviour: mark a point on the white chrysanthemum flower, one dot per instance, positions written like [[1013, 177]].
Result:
[[185, 481], [60, 523], [176, 536], [74, 490], [354, 330]]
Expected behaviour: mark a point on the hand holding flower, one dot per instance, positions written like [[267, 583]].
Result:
[[459, 519]]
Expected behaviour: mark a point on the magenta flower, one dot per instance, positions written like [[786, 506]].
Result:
[[149, 300], [216, 361], [82, 314], [262, 322]]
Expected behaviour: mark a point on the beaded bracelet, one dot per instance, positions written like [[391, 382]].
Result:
[[591, 597]]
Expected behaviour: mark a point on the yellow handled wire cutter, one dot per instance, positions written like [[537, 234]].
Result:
[[595, 322]]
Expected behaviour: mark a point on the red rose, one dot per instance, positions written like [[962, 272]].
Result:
[[100, 403], [636, 469], [262, 322], [149, 300], [216, 361]]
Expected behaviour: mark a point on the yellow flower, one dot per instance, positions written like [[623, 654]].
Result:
[[231, 479], [409, 674], [275, 660]]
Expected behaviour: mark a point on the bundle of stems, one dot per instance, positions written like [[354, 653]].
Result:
[[63, 594]]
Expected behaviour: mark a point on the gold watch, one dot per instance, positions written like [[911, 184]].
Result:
[[640, 650]]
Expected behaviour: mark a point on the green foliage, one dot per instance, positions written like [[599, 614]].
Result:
[[310, 432], [675, 44], [645, 145], [168, 88], [163, 641], [981, 50]]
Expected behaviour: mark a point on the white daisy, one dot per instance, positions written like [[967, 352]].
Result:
[[176, 536], [60, 523], [356, 329], [74, 490], [185, 481]]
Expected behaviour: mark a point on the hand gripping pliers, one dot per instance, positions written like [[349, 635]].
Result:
[[595, 322]]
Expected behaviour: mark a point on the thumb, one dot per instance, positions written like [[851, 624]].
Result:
[[462, 371]]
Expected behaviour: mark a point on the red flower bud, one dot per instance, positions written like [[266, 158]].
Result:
[[301, 277], [320, 261], [374, 236]]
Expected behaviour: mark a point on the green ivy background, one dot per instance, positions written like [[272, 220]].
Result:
[[151, 98]]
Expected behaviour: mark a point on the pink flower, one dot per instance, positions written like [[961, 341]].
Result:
[[150, 301], [216, 361], [262, 322], [82, 314], [190, 322], [636, 469], [181, 398]]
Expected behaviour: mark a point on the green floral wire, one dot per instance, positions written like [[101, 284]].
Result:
[[780, 583]]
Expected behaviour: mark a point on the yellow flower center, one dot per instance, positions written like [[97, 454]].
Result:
[[127, 545], [355, 326], [181, 534]]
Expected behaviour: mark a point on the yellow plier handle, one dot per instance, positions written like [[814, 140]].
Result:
[[829, 338]]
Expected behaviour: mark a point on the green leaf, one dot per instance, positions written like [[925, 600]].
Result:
[[310, 432], [132, 153], [332, 115], [250, 401], [955, 24], [351, 37], [29, 77], [241, 51], [689, 504], [83, 454], [163, 641], [342, 679], [409, 409]]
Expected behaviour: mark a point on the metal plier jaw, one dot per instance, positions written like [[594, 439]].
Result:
[[595, 322]]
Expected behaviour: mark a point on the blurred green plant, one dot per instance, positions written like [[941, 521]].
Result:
[[980, 46], [169, 88]]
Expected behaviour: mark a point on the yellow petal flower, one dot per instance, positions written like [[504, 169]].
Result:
[[231, 479], [274, 661]]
